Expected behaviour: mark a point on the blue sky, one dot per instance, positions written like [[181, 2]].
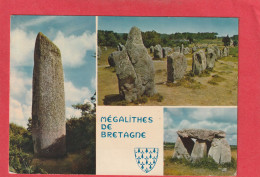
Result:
[[76, 38], [169, 25], [201, 118]]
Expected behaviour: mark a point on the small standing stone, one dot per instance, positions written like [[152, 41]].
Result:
[[158, 52], [176, 66], [198, 62]]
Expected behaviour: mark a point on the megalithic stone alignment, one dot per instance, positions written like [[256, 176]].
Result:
[[48, 104]]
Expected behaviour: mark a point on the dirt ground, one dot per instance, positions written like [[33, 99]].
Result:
[[217, 88]]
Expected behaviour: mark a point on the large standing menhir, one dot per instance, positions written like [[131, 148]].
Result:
[[48, 104]]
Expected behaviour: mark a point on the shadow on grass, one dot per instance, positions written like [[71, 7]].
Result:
[[114, 99]]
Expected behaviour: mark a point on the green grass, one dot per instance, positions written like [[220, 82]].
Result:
[[233, 51], [186, 82]]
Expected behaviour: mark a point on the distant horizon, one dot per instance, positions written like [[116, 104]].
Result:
[[170, 25]]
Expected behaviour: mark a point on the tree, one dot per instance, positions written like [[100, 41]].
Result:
[[226, 40]]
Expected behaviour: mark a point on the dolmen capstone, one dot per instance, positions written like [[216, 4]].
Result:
[[158, 53], [134, 68], [208, 143], [176, 66], [211, 58], [48, 102], [199, 63], [166, 51]]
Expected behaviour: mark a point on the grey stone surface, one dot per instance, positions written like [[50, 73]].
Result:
[[217, 52], [182, 48], [202, 134], [177, 49], [176, 66], [194, 49], [199, 62], [158, 53], [199, 150], [225, 52], [183, 148], [105, 48], [220, 150], [48, 104], [211, 58], [112, 57], [120, 47], [186, 50], [134, 68], [166, 51], [152, 49]]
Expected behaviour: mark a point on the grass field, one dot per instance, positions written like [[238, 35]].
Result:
[[217, 87], [180, 169]]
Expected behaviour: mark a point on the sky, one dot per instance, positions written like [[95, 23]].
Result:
[[76, 38], [200, 118], [169, 25]]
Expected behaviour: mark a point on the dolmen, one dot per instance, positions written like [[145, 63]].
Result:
[[208, 143], [134, 68]]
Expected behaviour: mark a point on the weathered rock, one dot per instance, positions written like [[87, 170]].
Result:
[[152, 49], [198, 62], [158, 52], [183, 148], [99, 52], [202, 134], [211, 58], [199, 150], [186, 50], [177, 49], [48, 104], [217, 52], [166, 51], [194, 49], [130, 86], [112, 57], [225, 52], [176, 66], [220, 150], [134, 68], [182, 48], [105, 48], [120, 47]]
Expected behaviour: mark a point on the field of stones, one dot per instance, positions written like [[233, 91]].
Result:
[[178, 82]]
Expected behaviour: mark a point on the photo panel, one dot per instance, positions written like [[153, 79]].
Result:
[[52, 94], [167, 61]]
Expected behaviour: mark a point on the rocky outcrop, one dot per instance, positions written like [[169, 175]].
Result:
[[48, 104], [176, 66]]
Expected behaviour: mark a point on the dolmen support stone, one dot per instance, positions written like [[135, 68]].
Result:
[[199, 62], [48, 104], [209, 143], [176, 66], [158, 53], [134, 68]]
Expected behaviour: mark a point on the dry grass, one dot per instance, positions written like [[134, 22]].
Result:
[[195, 91]]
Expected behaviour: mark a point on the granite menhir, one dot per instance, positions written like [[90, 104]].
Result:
[[48, 103]]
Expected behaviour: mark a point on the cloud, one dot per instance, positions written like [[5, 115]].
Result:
[[37, 21], [19, 113], [22, 46], [93, 82], [73, 48], [74, 95], [71, 112]]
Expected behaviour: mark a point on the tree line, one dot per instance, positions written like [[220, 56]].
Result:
[[152, 38]]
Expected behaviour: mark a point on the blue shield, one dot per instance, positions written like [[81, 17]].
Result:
[[146, 158]]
